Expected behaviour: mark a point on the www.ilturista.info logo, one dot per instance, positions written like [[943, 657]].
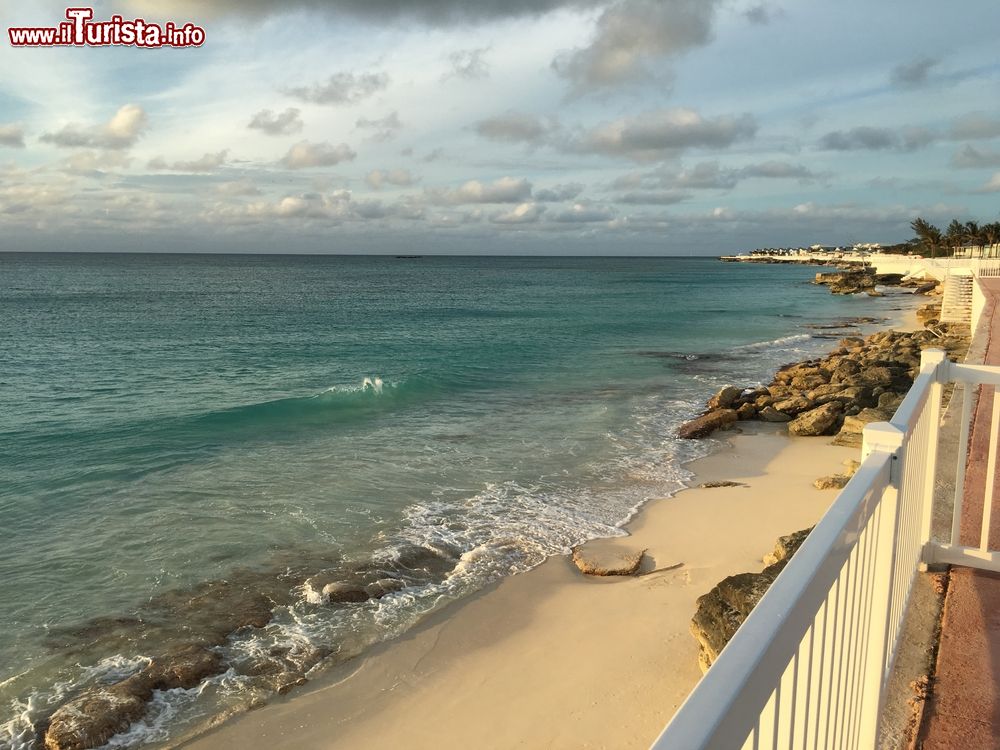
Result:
[[81, 31]]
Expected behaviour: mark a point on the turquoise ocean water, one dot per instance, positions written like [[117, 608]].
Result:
[[178, 433]]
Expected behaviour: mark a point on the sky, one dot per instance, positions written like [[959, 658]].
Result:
[[628, 127]]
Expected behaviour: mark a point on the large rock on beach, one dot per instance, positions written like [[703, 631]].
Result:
[[607, 558], [706, 424], [786, 546], [722, 610], [725, 398], [819, 421], [100, 713], [770, 414]]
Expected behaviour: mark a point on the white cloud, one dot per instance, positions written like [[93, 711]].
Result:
[[514, 127], [468, 64], [385, 127], [503, 190], [12, 135], [378, 178], [523, 213], [207, 163], [285, 123], [121, 131], [582, 213], [657, 135], [630, 33], [342, 88], [305, 155]]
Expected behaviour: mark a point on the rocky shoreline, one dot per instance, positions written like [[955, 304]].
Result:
[[863, 380]]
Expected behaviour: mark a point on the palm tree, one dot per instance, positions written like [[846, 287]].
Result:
[[955, 234], [991, 233], [928, 235], [973, 233]]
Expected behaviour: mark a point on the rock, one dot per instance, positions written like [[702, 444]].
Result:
[[93, 718], [811, 380], [770, 414], [877, 376], [706, 424], [889, 401], [100, 713], [794, 405], [852, 467], [746, 411], [786, 546], [722, 610], [721, 483], [819, 421], [343, 592], [850, 431], [724, 398], [607, 559], [184, 667], [833, 482], [852, 343]]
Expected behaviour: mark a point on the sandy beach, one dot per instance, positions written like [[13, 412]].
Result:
[[555, 659]]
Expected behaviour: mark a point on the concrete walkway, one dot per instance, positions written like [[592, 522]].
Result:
[[964, 709]]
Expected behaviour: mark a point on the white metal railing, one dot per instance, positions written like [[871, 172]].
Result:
[[809, 666]]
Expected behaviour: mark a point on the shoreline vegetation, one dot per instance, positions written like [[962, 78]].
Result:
[[861, 381]]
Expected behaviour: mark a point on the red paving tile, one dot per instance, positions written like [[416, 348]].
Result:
[[964, 710]]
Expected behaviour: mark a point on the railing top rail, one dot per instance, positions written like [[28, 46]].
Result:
[[756, 656]]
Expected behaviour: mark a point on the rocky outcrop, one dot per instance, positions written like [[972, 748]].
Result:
[[723, 609], [819, 421], [724, 398], [863, 380], [832, 482], [100, 713], [848, 282], [601, 558], [706, 424], [786, 546]]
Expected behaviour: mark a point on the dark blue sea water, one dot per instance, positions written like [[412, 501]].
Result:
[[169, 422]]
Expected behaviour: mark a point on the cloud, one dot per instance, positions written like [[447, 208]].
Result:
[[970, 157], [654, 198], [386, 127], [656, 135], [860, 138], [514, 127], [468, 64], [707, 175], [285, 123], [913, 74], [761, 15], [523, 213], [632, 32], [12, 135], [778, 170], [975, 126], [305, 155], [503, 190], [237, 187], [583, 213], [556, 193], [378, 178], [993, 186], [341, 88], [430, 12], [121, 131], [95, 163], [207, 163]]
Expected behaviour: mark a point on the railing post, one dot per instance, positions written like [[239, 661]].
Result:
[[885, 437], [936, 360]]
